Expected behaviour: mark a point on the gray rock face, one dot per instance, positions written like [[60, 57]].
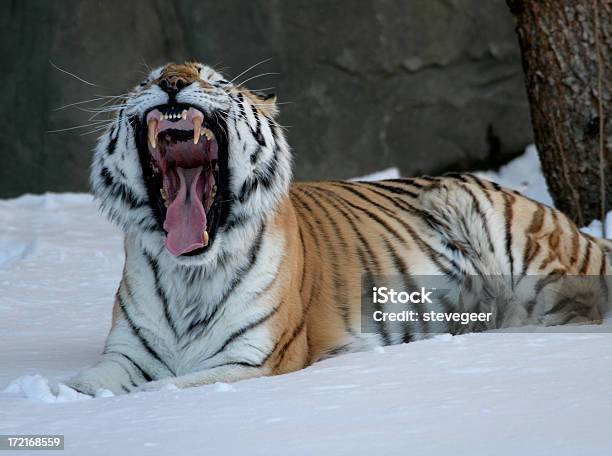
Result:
[[426, 85]]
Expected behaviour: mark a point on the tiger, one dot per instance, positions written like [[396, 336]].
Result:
[[233, 271]]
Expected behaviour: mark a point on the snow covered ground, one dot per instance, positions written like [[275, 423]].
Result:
[[538, 393]]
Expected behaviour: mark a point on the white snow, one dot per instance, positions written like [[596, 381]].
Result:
[[524, 175], [541, 393], [594, 227], [389, 173]]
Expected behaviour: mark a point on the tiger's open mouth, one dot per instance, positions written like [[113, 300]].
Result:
[[185, 164]]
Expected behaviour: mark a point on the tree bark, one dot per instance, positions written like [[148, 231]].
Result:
[[566, 48]]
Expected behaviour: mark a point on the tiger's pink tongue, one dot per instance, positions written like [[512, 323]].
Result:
[[185, 218]]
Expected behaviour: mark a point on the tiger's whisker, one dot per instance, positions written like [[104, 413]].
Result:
[[257, 76], [95, 123], [71, 74], [250, 68]]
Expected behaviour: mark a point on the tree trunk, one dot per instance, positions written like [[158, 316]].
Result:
[[566, 48]]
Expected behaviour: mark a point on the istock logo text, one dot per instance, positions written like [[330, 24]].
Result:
[[383, 295]]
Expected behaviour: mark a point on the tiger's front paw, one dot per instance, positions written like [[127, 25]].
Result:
[[88, 386], [97, 381], [157, 385]]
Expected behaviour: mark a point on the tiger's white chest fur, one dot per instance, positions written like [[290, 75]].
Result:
[[197, 318]]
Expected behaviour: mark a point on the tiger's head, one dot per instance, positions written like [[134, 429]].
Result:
[[192, 164]]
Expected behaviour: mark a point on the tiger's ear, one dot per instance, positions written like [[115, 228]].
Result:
[[266, 103]]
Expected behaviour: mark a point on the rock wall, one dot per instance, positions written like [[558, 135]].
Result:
[[426, 85]]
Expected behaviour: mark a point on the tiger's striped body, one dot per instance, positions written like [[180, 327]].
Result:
[[459, 227], [280, 286]]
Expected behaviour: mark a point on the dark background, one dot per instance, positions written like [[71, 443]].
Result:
[[425, 85]]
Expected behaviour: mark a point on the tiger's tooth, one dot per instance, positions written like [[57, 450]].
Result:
[[184, 114], [152, 133], [197, 129], [164, 196], [209, 134], [205, 238]]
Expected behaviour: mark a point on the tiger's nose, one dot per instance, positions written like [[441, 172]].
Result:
[[173, 84]]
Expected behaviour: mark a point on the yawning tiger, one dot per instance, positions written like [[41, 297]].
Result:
[[232, 271]]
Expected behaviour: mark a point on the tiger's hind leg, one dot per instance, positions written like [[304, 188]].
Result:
[[546, 272], [465, 228]]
